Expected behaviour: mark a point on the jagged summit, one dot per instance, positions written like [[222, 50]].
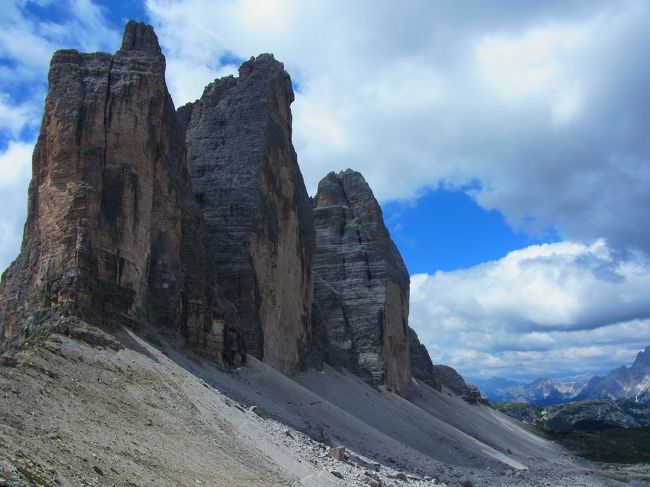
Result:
[[361, 283], [141, 37], [263, 66], [197, 223], [332, 188], [632, 383], [643, 358], [246, 178], [349, 188], [113, 235]]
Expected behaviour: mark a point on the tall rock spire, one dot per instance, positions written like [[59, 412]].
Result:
[[361, 283], [140, 37], [257, 212], [113, 234]]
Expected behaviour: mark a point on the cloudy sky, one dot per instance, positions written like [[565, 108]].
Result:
[[507, 141]]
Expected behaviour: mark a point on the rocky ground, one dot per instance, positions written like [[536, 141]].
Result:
[[99, 410]]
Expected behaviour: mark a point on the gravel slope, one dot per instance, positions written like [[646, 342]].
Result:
[[99, 411]]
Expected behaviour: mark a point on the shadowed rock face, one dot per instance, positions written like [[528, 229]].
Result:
[[361, 283], [246, 178], [437, 376], [137, 211], [421, 366], [453, 381], [113, 234]]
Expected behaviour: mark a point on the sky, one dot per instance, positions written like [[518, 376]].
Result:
[[506, 141]]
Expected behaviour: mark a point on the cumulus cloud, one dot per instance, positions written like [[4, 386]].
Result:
[[27, 40], [529, 100], [546, 309], [15, 171], [14, 118], [15, 164], [540, 108]]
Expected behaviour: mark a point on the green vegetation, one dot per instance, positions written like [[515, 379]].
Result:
[[523, 406], [524, 412], [33, 477], [591, 429], [573, 407], [616, 445]]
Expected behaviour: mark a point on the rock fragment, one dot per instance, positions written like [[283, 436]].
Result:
[[337, 453]]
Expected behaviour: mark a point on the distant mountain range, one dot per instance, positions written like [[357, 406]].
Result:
[[585, 416], [541, 392], [623, 383], [628, 383], [601, 430]]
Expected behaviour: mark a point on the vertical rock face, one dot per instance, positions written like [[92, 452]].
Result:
[[258, 215], [361, 283], [197, 221], [421, 366], [113, 233]]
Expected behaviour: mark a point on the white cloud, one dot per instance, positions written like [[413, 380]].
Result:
[[27, 43], [536, 66], [543, 103], [15, 171], [14, 118], [15, 164], [186, 80], [526, 100], [554, 307]]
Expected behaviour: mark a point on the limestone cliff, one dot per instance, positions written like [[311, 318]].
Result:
[[197, 222], [361, 284], [113, 234], [246, 178]]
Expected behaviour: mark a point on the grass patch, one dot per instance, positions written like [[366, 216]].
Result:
[[499, 406], [33, 477], [616, 445]]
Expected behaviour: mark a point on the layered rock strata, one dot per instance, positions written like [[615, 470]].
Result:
[[258, 216], [113, 234], [197, 222], [361, 284]]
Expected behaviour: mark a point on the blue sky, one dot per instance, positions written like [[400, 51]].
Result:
[[507, 142], [447, 230]]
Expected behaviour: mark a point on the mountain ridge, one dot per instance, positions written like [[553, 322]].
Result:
[[623, 383], [197, 222]]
